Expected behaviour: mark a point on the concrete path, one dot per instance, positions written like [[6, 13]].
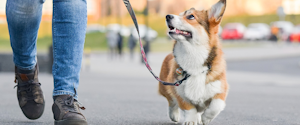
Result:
[[123, 92]]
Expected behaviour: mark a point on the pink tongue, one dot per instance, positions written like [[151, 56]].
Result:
[[177, 31]]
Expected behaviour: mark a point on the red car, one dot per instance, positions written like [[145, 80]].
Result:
[[295, 35], [233, 31]]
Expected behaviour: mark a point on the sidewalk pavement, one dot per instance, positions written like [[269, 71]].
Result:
[[267, 51], [100, 62], [127, 95], [123, 92]]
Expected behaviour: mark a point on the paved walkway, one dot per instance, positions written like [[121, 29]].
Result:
[[123, 92], [266, 51]]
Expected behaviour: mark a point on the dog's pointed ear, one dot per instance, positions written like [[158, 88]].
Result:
[[215, 13]]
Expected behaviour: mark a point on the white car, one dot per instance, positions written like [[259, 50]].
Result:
[[257, 31]]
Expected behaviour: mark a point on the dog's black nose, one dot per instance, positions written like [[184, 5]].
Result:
[[169, 17]]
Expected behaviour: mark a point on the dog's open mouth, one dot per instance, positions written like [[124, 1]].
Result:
[[174, 30]]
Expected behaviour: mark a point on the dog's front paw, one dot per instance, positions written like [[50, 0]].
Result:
[[206, 120], [175, 117], [190, 123], [199, 119], [174, 114]]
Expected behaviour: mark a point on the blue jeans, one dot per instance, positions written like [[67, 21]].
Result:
[[68, 34]]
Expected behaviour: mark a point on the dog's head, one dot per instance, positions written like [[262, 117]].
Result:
[[196, 26]]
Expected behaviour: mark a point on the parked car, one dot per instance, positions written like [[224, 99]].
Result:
[[257, 31], [282, 29], [295, 35], [233, 31]]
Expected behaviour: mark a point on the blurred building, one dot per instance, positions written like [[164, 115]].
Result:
[[103, 8], [2, 11], [234, 7], [291, 6], [93, 8]]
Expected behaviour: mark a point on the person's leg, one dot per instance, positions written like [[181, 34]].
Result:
[[68, 30], [23, 18]]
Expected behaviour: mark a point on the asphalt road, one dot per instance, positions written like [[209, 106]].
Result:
[[124, 93], [286, 66]]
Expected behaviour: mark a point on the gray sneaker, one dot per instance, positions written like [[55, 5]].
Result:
[[29, 93], [66, 111]]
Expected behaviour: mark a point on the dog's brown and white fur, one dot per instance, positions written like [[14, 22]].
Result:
[[202, 96]]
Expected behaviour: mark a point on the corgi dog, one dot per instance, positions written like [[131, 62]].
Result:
[[197, 53]]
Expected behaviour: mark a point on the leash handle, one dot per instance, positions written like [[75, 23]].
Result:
[[133, 17]]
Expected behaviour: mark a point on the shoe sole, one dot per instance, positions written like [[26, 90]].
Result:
[[37, 117], [70, 122]]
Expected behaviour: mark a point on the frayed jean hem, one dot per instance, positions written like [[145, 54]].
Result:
[[25, 68], [62, 92]]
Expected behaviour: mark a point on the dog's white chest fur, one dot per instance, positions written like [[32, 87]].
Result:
[[195, 90], [191, 58]]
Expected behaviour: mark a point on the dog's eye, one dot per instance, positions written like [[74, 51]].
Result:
[[190, 17]]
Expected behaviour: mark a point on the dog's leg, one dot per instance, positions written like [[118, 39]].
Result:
[[215, 107], [174, 113], [190, 111], [199, 117], [190, 117]]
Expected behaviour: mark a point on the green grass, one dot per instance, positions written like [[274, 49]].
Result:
[[95, 41], [42, 44], [4, 45], [98, 42], [162, 44]]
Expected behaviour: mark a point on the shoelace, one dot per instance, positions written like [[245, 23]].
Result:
[[70, 100], [27, 86]]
